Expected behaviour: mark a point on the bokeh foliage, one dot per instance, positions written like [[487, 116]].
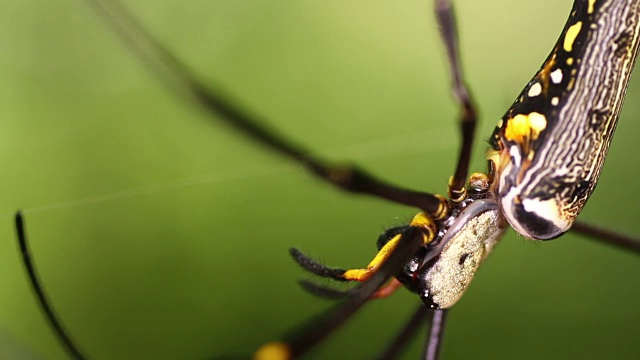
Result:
[[187, 257]]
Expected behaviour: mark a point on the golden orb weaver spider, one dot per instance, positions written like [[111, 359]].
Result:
[[255, 244]]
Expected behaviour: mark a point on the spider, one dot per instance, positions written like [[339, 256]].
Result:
[[452, 115]]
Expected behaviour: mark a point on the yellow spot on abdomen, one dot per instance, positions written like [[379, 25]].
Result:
[[590, 8], [524, 127], [571, 35]]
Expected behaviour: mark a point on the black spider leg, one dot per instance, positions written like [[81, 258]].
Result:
[[404, 336], [606, 236], [316, 267], [468, 119], [305, 340], [321, 270], [217, 104], [324, 292], [435, 334], [36, 285], [457, 189]]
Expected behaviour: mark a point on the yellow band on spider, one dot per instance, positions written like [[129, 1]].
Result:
[[273, 351]]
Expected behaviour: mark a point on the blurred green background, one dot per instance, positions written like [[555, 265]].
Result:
[[187, 258]]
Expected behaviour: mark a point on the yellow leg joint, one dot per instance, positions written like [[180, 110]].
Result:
[[421, 220], [383, 254], [479, 182], [443, 208], [273, 351], [427, 224], [456, 195]]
